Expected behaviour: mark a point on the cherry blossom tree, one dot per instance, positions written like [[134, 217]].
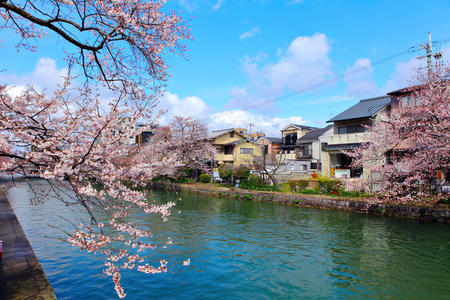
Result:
[[268, 165], [408, 152], [78, 140], [181, 144], [120, 44]]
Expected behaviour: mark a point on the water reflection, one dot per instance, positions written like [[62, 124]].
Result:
[[245, 250]]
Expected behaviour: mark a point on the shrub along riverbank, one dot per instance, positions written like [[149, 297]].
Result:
[[439, 213], [241, 178]]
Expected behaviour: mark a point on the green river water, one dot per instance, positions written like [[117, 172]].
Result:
[[250, 250]]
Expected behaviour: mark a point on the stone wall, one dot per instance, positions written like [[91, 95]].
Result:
[[359, 205]]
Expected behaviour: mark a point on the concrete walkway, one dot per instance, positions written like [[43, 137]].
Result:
[[21, 275]]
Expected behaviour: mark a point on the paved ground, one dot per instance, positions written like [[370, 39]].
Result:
[[21, 275]]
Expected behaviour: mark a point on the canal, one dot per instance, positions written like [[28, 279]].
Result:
[[251, 250]]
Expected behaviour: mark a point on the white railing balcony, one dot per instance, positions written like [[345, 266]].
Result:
[[289, 156], [349, 138]]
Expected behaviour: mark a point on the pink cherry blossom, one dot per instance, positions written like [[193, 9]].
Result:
[[79, 141]]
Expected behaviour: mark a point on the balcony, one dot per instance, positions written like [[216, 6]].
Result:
[[288, 156], [349, 138], [224, 157]]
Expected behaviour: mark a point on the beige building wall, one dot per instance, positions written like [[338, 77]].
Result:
[[228, 138], [244, 159], [236, 158]]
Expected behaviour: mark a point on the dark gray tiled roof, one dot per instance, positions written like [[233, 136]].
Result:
[[305, 127], [363, 109], [274, 140], [313, 135], [299, 126], [216, 133]]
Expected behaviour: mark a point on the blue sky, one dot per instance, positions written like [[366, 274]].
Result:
[[248, 51]]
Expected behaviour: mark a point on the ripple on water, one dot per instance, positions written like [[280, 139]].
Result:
[[251, 250]]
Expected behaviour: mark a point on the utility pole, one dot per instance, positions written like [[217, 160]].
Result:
[[430, 55], [250, 127]]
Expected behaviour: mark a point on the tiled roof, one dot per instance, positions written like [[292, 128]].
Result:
[[299, 126], [274, 140], [363, 109], [217, 133], [313, 135]]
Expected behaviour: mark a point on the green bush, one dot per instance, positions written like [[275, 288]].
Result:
[[241, 173], [255, 180], [352, 194], [292, 185], [248, 197], [226, 172], [302, 184], [205, 178], [184, 180], [187, 172], [295, 185], [327, 185], [285, 187]]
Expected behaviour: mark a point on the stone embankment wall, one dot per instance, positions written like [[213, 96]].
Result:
[[440, 213], [21, 275]]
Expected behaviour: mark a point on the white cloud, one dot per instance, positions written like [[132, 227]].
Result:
[[45, 76], [250, 33], [15, 90], [175, 105], [303, 64], [189, 4], [241, 119], [218, 4], [196, 108], [359, 79], [294, 2], [406, 73]]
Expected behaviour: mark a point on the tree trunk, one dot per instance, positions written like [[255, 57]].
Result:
[[274, 180]]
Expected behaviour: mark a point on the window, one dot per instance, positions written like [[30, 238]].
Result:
[[290, 139], [246, 151], [351, 129], [342, 130], [219, 150], [229, 149], [231, 134], [314, 166], [306, 150]]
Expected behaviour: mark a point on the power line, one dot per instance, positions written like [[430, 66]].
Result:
[[331, 80], [342, 76]]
